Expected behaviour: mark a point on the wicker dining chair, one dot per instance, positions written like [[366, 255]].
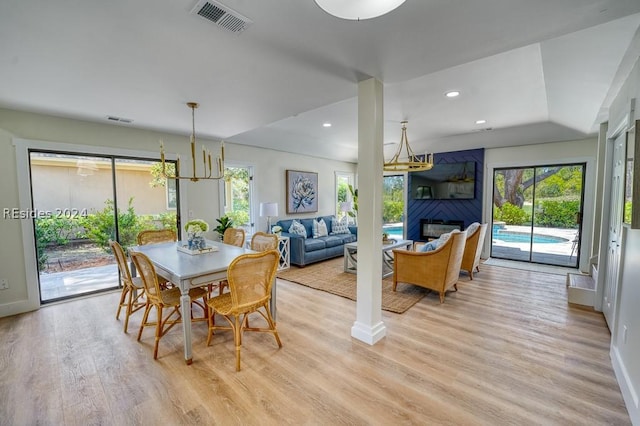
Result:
[[164, 300], [234, 237], [250, 278], [261, 241], [132, 295], [155, 236]]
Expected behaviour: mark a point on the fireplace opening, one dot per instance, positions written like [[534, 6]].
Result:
[[431, 229]]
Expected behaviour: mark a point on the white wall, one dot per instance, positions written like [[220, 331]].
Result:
[[626, 355], [580, 151], [202, 198]]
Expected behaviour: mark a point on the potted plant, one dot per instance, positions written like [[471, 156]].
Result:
[[195, 233], [224, 223]]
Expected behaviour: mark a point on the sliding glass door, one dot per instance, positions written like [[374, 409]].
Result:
[[537, 214], [76, 198], [393, 203]]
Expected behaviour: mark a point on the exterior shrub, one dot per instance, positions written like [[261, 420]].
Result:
[[100, 226], [512, 215], [558, 214]]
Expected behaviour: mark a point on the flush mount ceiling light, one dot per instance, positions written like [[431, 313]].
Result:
[[412, 162], [326, 124], [481, 121], [452, 94], [358, 10]]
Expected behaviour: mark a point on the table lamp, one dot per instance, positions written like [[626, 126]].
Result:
[[345, 207], [269, 210]]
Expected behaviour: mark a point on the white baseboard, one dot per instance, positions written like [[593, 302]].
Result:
[[368, 334], [15, 308], [626, 386]]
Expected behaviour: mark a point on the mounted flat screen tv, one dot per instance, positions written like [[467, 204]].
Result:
[[450, 181]]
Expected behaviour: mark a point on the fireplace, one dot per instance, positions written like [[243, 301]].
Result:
[[432, 228]]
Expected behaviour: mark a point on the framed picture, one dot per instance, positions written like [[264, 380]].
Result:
[[302, 192]]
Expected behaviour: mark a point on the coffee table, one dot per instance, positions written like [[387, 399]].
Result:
[[351, 259]]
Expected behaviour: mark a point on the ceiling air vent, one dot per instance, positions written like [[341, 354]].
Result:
[[119, 119], [222, 16]]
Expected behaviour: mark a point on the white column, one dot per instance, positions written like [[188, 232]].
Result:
[[368, 326]]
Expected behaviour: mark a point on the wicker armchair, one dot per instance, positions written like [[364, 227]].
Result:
[[436, 270], [250, 278], [165, 301], [473, 249], [132, 295], [155, 236], [262, 241]]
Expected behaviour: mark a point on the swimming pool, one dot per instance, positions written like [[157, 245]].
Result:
[[524, 237], [394, 231]]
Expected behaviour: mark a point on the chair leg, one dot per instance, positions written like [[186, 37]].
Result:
[[145, 318], [455, 286], [272, 326], [123, 295], [237, 337], [211, 323], [471, 274], [442, 297], [158, 331], [129, 310]]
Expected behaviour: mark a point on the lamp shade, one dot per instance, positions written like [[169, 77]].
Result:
[[345, 206], [268, 209], [358, 9]]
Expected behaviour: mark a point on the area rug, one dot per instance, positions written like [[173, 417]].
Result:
[[329, 276]]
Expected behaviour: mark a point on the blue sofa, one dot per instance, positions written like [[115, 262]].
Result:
[[304, 251]]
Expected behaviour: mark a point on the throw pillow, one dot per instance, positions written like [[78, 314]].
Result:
[[298, 229], [340, 226], [435, 244], [430, 246], [319, 228], [472, 228]]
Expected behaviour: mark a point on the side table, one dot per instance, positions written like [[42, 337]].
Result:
[[283, 248]]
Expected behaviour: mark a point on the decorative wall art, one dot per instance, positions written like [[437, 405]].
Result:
[[302, 192]]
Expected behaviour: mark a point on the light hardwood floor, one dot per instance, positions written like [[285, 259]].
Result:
[[505, 349]]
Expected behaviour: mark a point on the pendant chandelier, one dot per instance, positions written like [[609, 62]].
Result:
[[413, 163], [206, 157]]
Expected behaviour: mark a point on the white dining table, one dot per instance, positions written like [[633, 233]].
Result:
[[194, 270]]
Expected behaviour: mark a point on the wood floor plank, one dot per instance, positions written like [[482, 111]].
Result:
[[505, 349]]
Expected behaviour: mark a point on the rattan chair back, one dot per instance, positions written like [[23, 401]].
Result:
[[250, 278], [121, 260], [261, 241], [233, 236], [148, 275], [155, 236]]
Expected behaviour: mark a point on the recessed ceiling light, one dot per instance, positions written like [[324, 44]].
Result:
[[452, 94], [481, 121], [326, 124]]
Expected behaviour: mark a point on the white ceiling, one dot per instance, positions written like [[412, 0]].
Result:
[[536, 70]]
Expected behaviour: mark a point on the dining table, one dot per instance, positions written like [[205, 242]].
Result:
[[188, 270]]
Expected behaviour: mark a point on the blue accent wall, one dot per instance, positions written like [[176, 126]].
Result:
[[467, 210]]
